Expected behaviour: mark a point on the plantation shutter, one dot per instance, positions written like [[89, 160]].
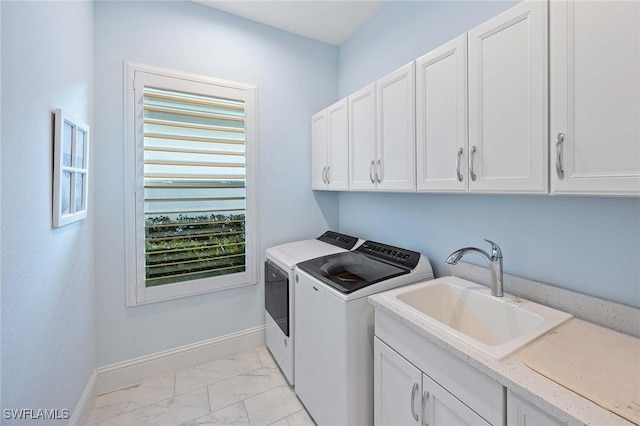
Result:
[[194, 186]]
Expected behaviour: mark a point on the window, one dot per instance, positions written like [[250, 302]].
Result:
[[191, 185]]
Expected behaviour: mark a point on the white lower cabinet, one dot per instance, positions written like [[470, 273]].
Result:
[[404, 395], [521, 413], [397, 388]]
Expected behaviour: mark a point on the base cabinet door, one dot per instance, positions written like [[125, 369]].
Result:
[[440, 408], [521, 413], [397, 388], [595, 97], [404, 395]]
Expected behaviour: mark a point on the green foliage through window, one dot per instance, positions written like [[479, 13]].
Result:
[[192, 247]]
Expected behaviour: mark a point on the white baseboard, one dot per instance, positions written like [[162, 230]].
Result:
[[81, 413], [128, 373]]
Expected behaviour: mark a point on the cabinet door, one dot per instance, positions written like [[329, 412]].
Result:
[[508, 101], [441, 118], [396, 148], [521, 413], [595, 97], [319, 150], [440, 408], [362, 139], [337, 174], [397, 388]]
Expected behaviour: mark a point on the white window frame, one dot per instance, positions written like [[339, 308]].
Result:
[[136, 291]]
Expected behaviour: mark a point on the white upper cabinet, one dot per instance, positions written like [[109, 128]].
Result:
[[338, 171], [441, 118], [330, 147], [595, 97], [319, 150], [395, 165], [382, 134], [362, 139], [508, 104]]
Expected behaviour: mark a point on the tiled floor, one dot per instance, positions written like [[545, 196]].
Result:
[[244, 389]]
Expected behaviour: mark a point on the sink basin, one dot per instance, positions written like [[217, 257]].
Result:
[[497, 326]]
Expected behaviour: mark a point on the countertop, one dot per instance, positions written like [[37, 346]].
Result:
[[561, 403]]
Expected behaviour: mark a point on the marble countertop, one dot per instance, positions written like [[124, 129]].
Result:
[[558, 401]]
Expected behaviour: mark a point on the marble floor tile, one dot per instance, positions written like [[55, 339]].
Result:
[[195, 378], [281, 422], [229, 367], [300, 418], [122, 401], [171, 412], [265, 357], [229, 416], [243, 386], [216, 371], [251, 355], [272, 405], [244, 389]]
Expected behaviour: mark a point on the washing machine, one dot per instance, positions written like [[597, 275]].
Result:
[[335, 327], [280, 263]]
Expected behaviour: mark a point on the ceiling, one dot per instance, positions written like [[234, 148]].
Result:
[[330, 21]]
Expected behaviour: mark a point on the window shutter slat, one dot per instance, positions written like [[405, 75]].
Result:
[[194, 186]]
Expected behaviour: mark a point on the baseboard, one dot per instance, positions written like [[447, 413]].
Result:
[[81, 413], [128, 373]]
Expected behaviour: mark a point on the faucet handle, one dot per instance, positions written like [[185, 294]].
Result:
[[496, 253]]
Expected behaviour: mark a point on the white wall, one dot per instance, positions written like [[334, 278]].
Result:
[[48, 299], [589, 245], [295, 77]]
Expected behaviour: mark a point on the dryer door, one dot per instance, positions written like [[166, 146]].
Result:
[[276, 295]]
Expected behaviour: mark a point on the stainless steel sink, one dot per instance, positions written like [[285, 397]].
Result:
[[497, 326]]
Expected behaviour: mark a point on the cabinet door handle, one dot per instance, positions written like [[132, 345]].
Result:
[[425, 397], [559, 142], [414, 390], [324, 171], [328, 175], [371, 172], [472, 172], [379, 172], [460, 177]]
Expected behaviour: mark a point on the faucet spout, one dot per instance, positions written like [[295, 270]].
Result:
[[494, 260]]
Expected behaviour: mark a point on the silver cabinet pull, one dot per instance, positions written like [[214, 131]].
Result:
[[328, 175], [413, 398], [371, 172], [425, 397], [460, 177], [472, 172], [379, 172], [559, 141], [324, 172]]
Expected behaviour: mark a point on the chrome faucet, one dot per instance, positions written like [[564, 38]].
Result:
[[494, 260]]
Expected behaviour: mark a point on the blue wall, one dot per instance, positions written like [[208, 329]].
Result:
[[590, 245], [48, 292], [296, 77]]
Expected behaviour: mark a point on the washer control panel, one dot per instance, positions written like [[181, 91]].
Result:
[[395, 255]]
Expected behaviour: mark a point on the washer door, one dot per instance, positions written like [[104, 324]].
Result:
[[276, 295]]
